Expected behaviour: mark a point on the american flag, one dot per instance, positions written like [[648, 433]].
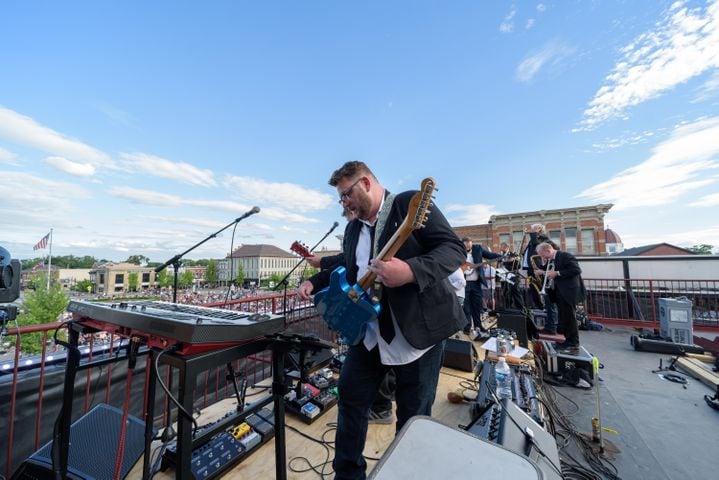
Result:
[[42, 243], [39, 265]]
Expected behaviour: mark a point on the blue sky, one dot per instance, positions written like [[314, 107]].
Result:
[[142, 127]]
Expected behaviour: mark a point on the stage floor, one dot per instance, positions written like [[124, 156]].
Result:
[[664, 431]]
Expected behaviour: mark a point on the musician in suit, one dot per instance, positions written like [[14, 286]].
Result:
[[419, 309], [567, 289], [473, 298]]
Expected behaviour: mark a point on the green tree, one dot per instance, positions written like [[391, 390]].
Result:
[[240, 277], [185, 279], [132, 281], [137, 259], [40, 306], [702, 249], [82, 285], [211, 273], [163, 279]]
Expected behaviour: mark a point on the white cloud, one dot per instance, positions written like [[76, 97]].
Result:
[[289, 195], [73, 168], [37, 201], [507, 25], [709, 89], [530, 23], [684, 238], [541, 7], [710, 200], [684, 44], [146, 197], [676, 167], [469, 214], [8, 157], [553, 53], [24, 130], [628, 138], [160, 167]]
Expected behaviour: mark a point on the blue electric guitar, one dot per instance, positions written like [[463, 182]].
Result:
[[347, 308]]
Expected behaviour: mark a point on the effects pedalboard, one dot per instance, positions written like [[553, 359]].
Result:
[[228, 447], [318, 395]]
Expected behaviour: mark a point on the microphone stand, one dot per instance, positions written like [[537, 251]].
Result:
[[284, 282], [176, 261]]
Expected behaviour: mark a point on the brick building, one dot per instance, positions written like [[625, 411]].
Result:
[[578, 230]]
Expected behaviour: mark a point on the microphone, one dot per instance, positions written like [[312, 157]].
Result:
[[248, 213], [334, 225]]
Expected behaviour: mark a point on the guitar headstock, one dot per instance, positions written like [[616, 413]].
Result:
[[420, 202], [300, 249]]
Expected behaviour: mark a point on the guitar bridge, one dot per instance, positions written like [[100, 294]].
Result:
[[354, 296]]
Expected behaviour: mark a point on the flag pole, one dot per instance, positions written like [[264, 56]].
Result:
[[49, 263]]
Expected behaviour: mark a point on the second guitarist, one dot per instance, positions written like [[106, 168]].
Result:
[[419, 309]]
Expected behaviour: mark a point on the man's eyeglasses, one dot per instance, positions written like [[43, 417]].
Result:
[[344, 196]]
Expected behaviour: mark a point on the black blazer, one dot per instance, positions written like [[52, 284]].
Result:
[[569, 284], [426, 311], [531, 248], [478, 253]]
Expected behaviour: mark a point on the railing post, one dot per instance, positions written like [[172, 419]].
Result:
[[628, 289], [654, 306]]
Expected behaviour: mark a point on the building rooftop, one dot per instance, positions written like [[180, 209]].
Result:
[[261, 250], [666, 249]]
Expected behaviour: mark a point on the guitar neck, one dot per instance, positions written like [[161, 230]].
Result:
[[390, 249]]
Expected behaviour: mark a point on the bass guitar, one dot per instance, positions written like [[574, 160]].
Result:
[[346, 308]]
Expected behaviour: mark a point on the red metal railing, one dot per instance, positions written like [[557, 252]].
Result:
[[634, 302]]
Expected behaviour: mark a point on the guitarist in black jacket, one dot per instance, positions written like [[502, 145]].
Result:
[[419, 309]]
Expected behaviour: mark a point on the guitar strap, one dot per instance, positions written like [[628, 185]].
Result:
[[376, 232], [381, 221], [386, 329]]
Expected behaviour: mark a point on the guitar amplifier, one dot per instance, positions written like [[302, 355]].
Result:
[[509, 426]]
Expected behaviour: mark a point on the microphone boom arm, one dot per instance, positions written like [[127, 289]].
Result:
[[175, 261]]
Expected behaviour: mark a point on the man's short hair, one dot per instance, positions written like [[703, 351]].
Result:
[[538, 226], [466, 239], [350, 170]]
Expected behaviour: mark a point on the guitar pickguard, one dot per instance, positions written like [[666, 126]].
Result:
[[345, 308]]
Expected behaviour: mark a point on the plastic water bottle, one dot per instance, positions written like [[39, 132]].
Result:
[[501, 345], [503, 377]]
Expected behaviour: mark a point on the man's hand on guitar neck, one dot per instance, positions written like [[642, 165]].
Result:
[[305, 290], [392, 273]]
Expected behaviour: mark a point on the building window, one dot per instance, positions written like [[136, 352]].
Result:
[[102, 279], [556, 236], [588, 242], [570, 240], [517, 239], [146, 277], [119, 278]]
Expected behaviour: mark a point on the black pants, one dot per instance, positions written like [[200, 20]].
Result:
[[568, 321]]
